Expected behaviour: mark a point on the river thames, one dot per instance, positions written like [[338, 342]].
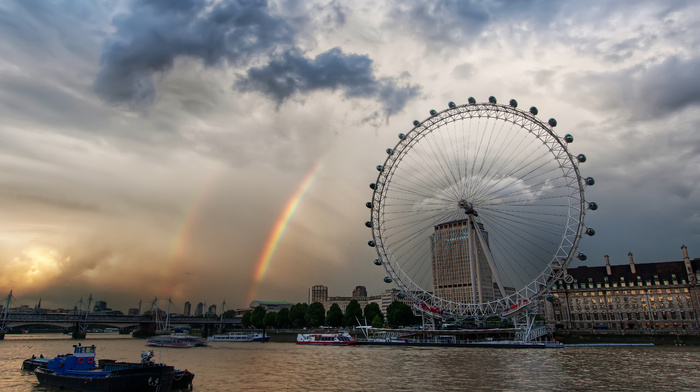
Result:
[[276, 366]]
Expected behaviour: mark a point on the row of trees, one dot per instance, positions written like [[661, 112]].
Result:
[[303, 315]]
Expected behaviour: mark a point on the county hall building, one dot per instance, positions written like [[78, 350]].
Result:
[[662, 296]]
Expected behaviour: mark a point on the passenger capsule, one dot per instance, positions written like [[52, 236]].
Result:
[[400, 295], [592, 206], [492, 99], [590, 232], [368, 224], [552, 122], [369, 204], [452, 105], [533, 110], [433, 112], [373, 186], [380, 168], [582, 256], [377, 262], [388, 279], [389, 151], [371, 243], [581, 158], [416, 123], [590, 181], [568, 138], [513, 103], [549, 297], [472, 100], [402, 136]]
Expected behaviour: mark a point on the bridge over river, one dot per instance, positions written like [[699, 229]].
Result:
[[81, 322]]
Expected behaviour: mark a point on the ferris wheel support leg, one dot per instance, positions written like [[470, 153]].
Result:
[[489, 259], [473, 266]]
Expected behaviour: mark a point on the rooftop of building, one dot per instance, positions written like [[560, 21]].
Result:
[[668, 270]]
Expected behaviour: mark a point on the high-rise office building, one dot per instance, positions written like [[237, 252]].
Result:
[[460, 270], [188, 308]]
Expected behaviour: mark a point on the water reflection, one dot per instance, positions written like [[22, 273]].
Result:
[[288, 367]]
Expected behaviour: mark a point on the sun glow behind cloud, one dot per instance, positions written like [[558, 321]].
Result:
[[35, 267]]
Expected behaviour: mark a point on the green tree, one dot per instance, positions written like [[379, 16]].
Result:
[[282, 320], [229, 314], [246, 319], [270, 319], [258, 317], [372, 310], [334, 318], [353, 312], [378, 321], [315, 315], [399, 314], [297, 315]]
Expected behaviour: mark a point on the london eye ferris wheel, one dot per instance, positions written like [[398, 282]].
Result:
[[478, 209]]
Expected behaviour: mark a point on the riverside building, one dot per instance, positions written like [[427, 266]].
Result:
[[319, 293], [663, 296]]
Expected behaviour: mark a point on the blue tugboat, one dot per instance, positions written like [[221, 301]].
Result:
[[79, 372]]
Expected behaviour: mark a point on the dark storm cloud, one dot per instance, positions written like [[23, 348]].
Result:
[[156, 32], [333, 70], [647, 91]]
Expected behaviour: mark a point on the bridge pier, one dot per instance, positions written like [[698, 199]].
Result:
[[78, 333]]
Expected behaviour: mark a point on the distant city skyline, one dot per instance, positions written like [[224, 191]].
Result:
[[174, 150]]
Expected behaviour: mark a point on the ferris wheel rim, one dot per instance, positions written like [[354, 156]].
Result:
[[570, 238]]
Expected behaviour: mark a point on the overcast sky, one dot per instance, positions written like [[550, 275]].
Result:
[[149, 148]]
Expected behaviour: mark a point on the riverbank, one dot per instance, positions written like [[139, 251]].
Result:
[[657, 338]]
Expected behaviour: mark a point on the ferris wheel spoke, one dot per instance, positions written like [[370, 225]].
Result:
[[521, 188], [524, 222], [522, 178], [446, 162], [431, 179], [419, 190], [530, 252]]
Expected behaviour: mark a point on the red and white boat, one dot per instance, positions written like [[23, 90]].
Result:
[[328, 339]]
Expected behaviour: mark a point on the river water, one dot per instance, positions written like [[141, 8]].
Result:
[[275, 366]]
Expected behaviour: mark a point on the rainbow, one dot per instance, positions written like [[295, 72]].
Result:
[[191, 217], [280, 226], [179, 247]]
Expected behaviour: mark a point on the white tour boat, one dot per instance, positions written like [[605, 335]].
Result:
[[329, 339], [239, 337]]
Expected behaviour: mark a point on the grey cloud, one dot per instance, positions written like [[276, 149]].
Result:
[[654, 90], [463, 71], [459, 23], [333, 70], [155, 33], [441, 21]]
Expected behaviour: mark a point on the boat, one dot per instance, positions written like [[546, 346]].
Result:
[[182, 379], [176, 340], [32, 363], [327, 339], [79, 372], [239, 337]]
